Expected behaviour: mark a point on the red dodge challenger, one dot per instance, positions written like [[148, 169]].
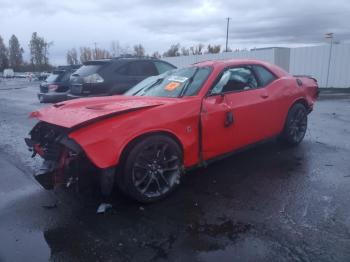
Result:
[[143, 141]]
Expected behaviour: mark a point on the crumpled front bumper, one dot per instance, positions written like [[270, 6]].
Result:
[[58, 152], [65, 163]]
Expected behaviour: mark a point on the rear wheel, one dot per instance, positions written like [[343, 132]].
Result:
[[152, 169], [296, 125]]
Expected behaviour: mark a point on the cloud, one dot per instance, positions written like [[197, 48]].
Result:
[[159, 23]]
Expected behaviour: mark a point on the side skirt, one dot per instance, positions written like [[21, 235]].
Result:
[[205, 163]]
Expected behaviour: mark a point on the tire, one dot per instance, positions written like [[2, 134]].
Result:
[[152, 169], [295, 126]]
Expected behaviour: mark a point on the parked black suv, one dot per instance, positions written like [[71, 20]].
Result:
[[56, 85], [113, 76]]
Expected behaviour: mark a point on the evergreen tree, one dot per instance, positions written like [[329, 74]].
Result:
[[15, 53]]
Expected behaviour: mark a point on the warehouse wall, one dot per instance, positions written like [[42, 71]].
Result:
[[298, 61], [314, 61], [179, 61]]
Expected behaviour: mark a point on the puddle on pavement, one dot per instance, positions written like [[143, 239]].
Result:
[[19, 246], [249, 249], [212, 237], [228, 229]]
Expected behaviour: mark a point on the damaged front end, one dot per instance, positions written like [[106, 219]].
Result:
[[64, 160]]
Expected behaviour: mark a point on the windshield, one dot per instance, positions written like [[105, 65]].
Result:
[[174, 83]]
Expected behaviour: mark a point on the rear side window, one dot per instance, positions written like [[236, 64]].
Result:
[[55, 76], [52, 78], [265, 76], [163, 67], [66, 76], [141, 68], [86, 70]]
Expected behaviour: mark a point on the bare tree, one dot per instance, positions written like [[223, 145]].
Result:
[[72, 57], [85, 54], [125, 50], [156, 54], [100, 53], [173, 51], [139, 50], [213, 49], [197, 50], [4, 61], [185, 51], [39, 52], [115, 48], [47, 46]]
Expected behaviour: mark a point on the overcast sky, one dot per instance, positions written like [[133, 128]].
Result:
[[159, 23]]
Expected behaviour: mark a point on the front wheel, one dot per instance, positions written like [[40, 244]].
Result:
[[296, 125], [152, 169]]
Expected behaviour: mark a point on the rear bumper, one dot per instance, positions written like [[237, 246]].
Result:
[[52, 97]]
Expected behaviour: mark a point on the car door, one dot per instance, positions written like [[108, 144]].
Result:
[[233, 113]]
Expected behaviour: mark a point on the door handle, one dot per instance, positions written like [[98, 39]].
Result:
[[229, 119], [264, 96]]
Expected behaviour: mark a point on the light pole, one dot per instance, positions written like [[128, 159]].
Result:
[[227, 26], [329, 36]]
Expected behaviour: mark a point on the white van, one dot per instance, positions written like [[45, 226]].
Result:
[[8, 73]]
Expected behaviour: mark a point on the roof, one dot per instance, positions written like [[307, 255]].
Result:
[[235, 62]]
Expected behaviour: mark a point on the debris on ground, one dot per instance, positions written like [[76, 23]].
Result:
[[103, 207], [52, 206]]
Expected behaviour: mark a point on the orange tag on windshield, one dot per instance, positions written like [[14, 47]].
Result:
[[172, 85]]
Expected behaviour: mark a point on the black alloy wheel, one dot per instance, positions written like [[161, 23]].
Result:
[[153, 168], [296, 125]]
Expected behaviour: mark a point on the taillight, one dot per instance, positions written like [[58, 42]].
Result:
[[93, 79], [52, 87]]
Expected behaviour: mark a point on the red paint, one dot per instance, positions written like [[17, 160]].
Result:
[[112, 122], [39, 150]]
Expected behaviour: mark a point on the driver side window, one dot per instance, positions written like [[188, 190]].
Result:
[[235, 79]]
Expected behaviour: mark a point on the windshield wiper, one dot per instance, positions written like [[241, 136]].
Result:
[[147, 88], [188, 84]]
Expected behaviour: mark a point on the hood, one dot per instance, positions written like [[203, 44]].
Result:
[[73, 113]]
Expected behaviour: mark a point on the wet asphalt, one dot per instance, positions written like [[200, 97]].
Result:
[[269, 203]]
